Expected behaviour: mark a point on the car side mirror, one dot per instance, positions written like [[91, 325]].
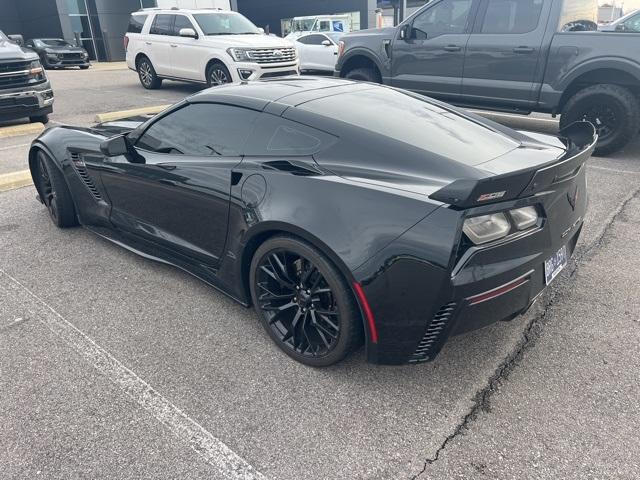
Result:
[[261, 30], [405, 32], [188, 32], [17, 39], [326, 43], [620, 28], [115, 146]]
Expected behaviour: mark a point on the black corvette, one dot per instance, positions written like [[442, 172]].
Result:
[[344, 212]]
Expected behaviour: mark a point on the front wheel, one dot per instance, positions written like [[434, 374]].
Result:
[[613, 110], [304, 302], [147, 74], [54, 192], [217, 74], [364, 74], [39, 119]]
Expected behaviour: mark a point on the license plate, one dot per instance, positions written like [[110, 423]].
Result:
[[554, 265]]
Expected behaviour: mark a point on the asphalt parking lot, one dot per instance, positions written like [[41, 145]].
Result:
[[113, 366]]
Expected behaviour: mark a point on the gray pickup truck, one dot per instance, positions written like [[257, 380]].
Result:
[[24, 88], [519, 56]]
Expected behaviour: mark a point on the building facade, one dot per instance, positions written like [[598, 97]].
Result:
[[99, 25]]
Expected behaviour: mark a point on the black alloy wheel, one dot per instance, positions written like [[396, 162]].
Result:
[[47, 190], [303, 302], [53, 192], [613, 110], [217, 74]]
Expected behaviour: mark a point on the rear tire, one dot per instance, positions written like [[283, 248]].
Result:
[[54, 192], [147, 74], [364, 74], [84, 67], [613, 110], [304, 302]]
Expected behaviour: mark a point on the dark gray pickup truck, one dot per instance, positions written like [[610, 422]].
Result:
[[509, 55], [24, 88]]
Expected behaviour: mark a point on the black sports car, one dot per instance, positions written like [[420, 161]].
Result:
[[344, 212], [58, 53]]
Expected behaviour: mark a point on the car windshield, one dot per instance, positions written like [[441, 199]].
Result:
[[3, 37], [225, 24], [55, 42], [303, 25]]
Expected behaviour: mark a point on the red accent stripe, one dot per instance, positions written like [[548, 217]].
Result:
[[367, 311], [496, 292]]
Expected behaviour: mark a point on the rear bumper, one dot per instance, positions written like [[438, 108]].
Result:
[[26, 101]]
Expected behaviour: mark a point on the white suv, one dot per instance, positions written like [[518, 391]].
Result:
[[204, 46]]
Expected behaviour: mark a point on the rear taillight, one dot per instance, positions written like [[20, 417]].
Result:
[[126, 42], [340, 48]]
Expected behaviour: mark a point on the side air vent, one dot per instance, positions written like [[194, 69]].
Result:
[[431, 342], [81, 170]]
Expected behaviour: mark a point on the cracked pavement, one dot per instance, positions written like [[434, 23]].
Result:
[[552, 394]]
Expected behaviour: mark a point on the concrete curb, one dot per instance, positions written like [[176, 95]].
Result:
[[11, 181], [110, 116], [23, 129]]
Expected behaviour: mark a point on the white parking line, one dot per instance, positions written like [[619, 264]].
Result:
[[229, 464]]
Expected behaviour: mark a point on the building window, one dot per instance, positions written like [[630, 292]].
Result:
[[148, 4]]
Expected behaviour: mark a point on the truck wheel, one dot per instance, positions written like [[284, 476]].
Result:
[[39, 118], [613, 110], [363, 74], [147, 74]]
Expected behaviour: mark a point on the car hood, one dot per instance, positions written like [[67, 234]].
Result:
[[254, 41], [11, 51], [372, 32], [70, 49]]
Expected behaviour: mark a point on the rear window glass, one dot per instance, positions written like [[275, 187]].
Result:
[[511, 16], [579, 16], [136, 22], [402, 117]]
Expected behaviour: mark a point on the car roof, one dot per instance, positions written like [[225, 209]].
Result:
[[176, 10], [288, 91]]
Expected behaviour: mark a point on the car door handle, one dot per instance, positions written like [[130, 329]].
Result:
[[523, 50], [173, 45], [452, 48], [148, 43], [171, 183]]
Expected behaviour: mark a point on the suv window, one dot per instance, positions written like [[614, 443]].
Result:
[[162, 25], [579, 16], [136, 22], [446, 17], [202, 129], [312, 39], [181, 22], [512, 16]]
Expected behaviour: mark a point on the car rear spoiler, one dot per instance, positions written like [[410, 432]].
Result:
[[580, 140]]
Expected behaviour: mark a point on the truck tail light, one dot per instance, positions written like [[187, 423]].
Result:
[[126, 42]]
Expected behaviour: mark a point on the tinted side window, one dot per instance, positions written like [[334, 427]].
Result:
[[312, 39], [136, 22], [162, 25], [446, 17], [512, 16], [202, 129], [180, 23], [278, 137]]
